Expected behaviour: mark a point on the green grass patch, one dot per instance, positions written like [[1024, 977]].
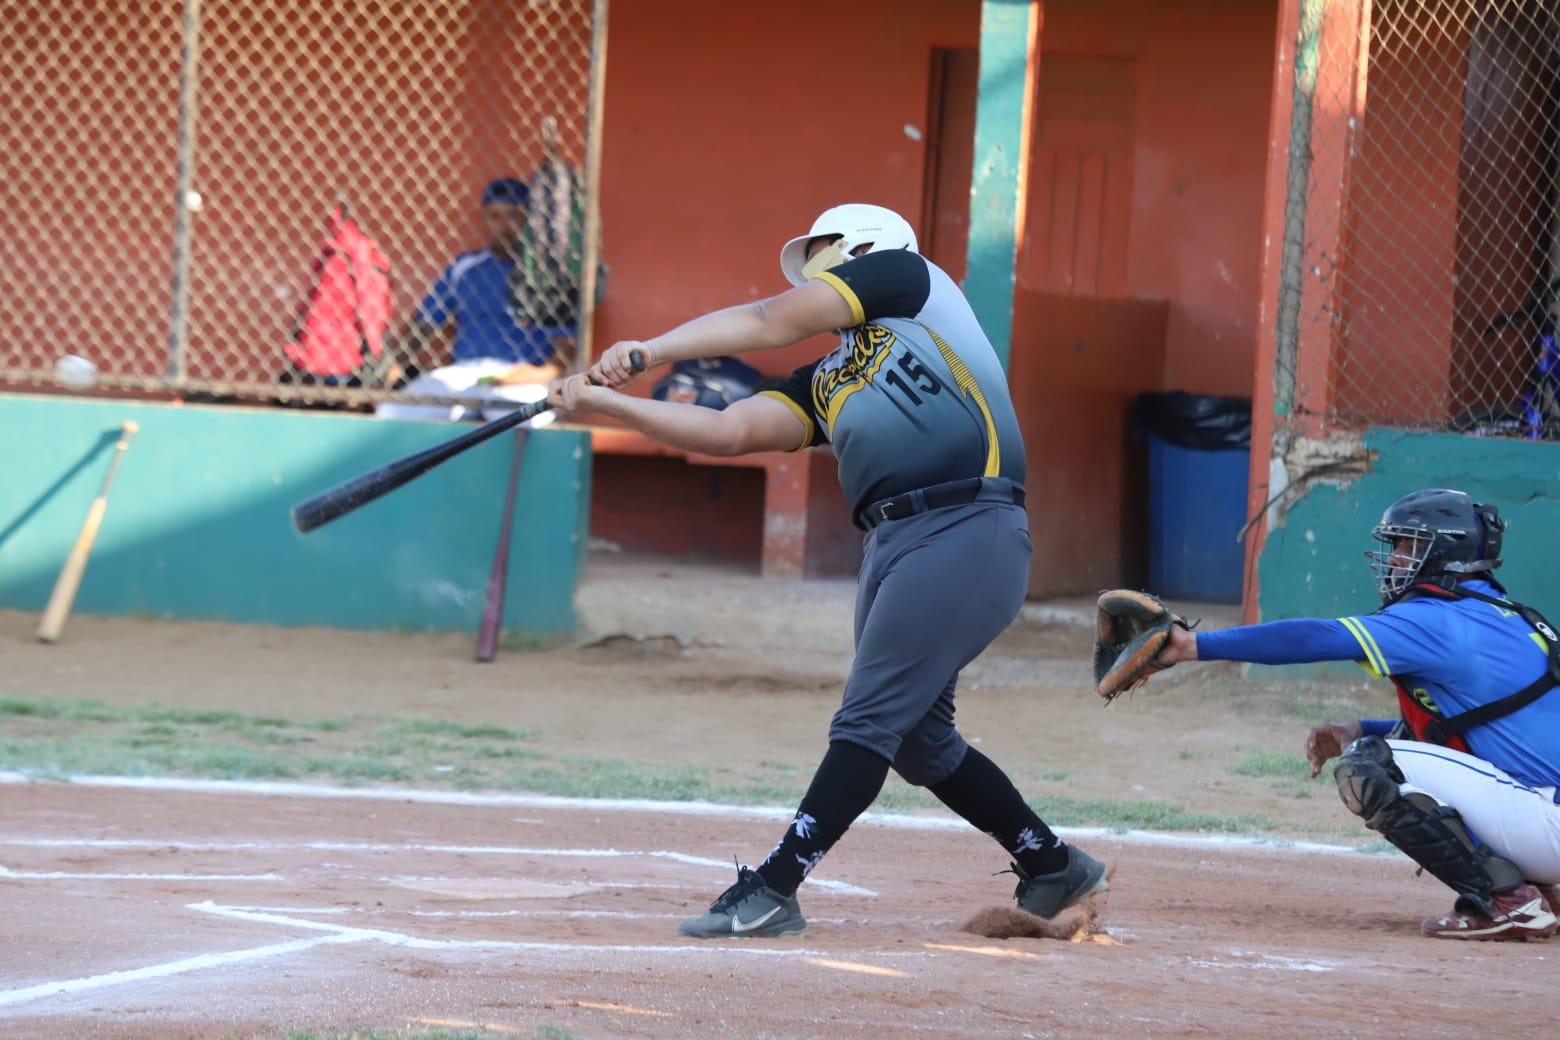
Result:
[[34, 709], [419, 1034], [1278, 764], [51, 738], [478, 731], [59, 738], [612, 778], [70, 711], [1146, 815], [545, 1032]]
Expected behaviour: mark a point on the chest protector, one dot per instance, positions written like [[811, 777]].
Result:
[[1425, 721]]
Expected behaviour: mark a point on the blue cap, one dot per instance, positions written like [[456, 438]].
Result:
[[508, 190]]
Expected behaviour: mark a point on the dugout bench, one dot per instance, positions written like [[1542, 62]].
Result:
[[804, 528]]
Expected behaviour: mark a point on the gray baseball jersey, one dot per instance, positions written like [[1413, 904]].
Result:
[[914, 394]]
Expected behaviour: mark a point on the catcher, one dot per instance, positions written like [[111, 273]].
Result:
[[1465, 781]]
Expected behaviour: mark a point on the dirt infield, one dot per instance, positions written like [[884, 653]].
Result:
[[147, 912], [463, 900], [697, 668]]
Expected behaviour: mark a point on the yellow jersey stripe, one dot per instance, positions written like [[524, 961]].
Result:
[[967, 384], [1373, 657], [857, 314], [1359, 634], [1381, 658], [797, 411], [1543, 644]]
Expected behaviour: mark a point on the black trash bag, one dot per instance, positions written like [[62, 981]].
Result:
[[1197, 421]]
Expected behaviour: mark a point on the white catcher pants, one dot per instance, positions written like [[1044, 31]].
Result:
[[1518, 822]]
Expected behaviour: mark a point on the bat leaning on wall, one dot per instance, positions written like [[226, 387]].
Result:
[[65, 586]]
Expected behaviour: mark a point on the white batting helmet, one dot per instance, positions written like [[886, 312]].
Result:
[[859, 224]]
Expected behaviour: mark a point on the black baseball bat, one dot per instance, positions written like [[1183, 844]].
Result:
[[359, 491]]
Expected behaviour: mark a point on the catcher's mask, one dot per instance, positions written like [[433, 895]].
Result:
[[1436, 535]]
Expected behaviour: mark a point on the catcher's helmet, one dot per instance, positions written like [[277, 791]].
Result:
[[1449, 537]]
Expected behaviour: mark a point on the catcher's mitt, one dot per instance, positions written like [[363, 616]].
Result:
[[1131, 628]]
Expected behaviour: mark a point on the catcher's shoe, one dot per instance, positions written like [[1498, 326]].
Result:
[[1050, 894], [748, 909], [1521, 913]]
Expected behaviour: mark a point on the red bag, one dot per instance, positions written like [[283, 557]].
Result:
[[344, 318]]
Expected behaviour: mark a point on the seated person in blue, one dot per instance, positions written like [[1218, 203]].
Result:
[[496, 352], [1464, 782]]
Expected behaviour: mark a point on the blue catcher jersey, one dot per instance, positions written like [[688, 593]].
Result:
[[1453, 655]]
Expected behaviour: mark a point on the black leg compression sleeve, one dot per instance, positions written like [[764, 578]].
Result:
[[981, 792], [1429, 833], [847, 781]]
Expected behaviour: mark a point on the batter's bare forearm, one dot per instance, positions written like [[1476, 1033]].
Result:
[[734, 330], [686, 427], [779, 321]]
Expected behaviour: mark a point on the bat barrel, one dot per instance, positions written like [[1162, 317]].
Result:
[[344, 498]]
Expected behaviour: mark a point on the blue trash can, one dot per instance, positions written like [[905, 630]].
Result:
[[1199, 459]]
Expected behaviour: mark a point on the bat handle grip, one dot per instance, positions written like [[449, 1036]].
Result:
[[636, 361]]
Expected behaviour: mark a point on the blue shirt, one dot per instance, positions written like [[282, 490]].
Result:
[[474, 292], [1459, 654]]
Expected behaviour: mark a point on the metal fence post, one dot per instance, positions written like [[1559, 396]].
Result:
[[183, 226], [590, 249]]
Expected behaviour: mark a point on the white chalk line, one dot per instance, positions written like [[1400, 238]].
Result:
[[343, 935], [276, 788], [1260, 961], [412, 942], [158, 971], [463, 850], [610, 915], [616, 915], [72, 875], [582, 886], [309, 909]]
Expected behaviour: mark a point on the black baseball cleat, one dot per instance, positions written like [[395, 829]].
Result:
[[1050, 894], [748, 909]]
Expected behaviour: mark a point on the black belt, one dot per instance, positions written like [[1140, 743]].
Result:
[[953, 493]]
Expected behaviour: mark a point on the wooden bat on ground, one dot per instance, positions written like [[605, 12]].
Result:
[[64, 594], [493, 608], [359, 491]]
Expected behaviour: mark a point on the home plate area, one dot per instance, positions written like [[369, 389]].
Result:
[[167, 908]]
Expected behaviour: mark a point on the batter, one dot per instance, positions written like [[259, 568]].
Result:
[[914, 403]]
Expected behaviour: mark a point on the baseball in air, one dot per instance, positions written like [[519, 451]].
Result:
[[75, 372]]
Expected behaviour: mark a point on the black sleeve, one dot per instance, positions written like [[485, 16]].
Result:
[[796, 393], [892, 284]]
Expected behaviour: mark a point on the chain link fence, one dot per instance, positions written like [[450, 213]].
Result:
[[299, 200], [1421, 257]]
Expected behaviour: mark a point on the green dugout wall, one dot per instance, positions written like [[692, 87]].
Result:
[[198, 521]]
